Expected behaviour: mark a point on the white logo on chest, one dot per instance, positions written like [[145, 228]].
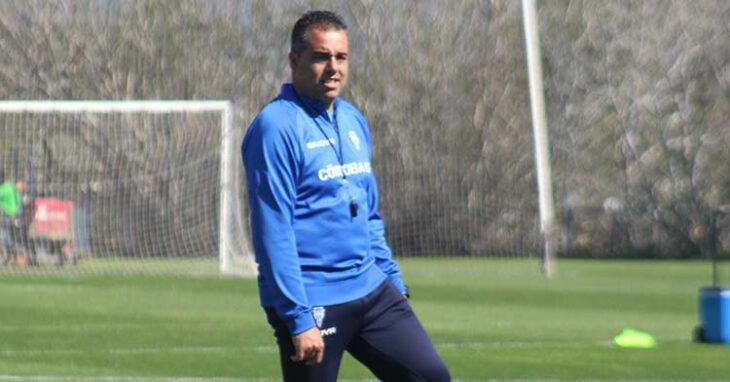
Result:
[[355, 139], [322, 143]]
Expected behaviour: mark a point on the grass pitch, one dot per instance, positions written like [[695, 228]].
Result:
[[491, 321]]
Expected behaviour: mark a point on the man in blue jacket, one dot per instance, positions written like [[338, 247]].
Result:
[[327, 279]]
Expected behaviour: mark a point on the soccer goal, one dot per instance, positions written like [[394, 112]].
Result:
[[125, 186]]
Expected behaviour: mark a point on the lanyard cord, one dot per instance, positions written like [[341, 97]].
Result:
[[339, 155]]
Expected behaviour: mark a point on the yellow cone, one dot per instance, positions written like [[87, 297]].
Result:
[[632, 338]]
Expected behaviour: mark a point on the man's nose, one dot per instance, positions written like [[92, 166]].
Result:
[[332, 64]]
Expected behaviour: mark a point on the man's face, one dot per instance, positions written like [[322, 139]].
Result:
[[320, 71]]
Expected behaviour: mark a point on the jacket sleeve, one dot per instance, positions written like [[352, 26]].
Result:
[[269, 155], [378, 244]]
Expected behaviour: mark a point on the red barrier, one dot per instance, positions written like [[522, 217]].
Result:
[[53, 219]]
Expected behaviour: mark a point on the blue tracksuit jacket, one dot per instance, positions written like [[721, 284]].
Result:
[[303, 176]]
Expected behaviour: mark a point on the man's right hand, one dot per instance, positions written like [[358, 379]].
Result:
[[308, 347]]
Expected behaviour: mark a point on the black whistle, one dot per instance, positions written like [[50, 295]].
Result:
[[353, 208]]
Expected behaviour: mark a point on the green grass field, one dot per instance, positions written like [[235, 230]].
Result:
[[490, 320]]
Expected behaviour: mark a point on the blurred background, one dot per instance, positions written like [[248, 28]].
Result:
[[638, 98]]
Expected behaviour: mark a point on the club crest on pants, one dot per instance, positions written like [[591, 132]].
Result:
[[318, 313]]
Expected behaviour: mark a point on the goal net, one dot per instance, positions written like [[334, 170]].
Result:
[[124, 187]]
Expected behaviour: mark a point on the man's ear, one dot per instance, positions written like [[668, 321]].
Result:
[[293, 60]]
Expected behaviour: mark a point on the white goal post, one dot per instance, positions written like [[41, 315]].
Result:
[[20, 117]]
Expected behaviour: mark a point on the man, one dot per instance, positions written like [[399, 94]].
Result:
[[9, 196], [10, 208], [327, 280]]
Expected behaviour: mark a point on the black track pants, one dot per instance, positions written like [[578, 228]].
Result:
[[379, 330]]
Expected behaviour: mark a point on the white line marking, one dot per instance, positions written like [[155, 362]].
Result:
[[126, 351], [121, 378]]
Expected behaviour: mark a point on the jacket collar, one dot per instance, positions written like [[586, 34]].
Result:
[[311, 105]]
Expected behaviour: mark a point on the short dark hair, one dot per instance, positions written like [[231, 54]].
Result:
[[319, 19]]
